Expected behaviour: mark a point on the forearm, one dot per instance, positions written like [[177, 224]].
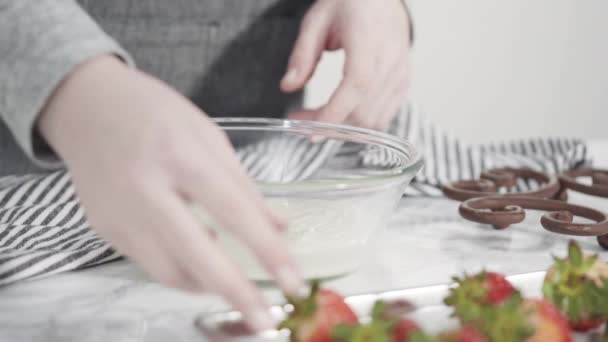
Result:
[[41, 42]]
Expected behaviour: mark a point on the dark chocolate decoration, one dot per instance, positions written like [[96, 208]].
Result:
[[484, 203], [599, 180], [491, 180]]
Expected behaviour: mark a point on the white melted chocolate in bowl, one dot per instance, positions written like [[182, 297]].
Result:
[[332, 191]]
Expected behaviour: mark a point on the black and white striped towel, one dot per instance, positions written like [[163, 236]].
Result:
[[43, 229]]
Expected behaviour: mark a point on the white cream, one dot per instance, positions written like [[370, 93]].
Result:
[[327, 237]]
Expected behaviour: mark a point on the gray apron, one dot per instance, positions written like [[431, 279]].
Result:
[[227, 56]]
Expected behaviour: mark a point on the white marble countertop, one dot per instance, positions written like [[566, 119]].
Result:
[[425, 243]]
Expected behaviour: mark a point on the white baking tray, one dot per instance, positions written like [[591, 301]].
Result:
[[429, 312]]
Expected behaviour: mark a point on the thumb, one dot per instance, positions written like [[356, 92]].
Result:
[[305, 115], [306, 51]]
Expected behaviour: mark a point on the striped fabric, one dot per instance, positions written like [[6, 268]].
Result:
[[43, 229], [449, 159], [285, 159]]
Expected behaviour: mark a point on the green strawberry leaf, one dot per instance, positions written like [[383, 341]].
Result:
[[575, 285], [376, 330], [507, 322], [590, 261], [343, 332], [371, 333], [575, 255], [378, 310], [419, 336], [307, 306], [467, 297], [548, 291], [303, 310]]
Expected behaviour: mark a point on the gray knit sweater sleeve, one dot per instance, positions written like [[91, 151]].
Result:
[[41, 41]]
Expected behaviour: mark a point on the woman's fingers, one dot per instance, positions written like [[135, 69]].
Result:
[[358, 77], [381, 106], [238, 212], [398, 94], [157, 259], [304, 114], [307, 50], [203, 265], [393, 104], [368, 111], [163, 160], [355, 27], [219, 145], [367, 94], [211, 270]]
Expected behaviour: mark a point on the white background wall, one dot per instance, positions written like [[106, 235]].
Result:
[[501, 69]]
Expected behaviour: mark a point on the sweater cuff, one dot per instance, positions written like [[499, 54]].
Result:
[[43, 41]]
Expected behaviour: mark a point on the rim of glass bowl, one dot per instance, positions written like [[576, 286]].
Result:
[[405, 148]]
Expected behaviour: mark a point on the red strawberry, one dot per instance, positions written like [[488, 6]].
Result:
[[472, 293], [403, 329], [586, 325], [507, 322], [314, 318], [466, 333], [518, 320], [386, 325], [498, 288], [547, 321], [578, 286], [394, 312]]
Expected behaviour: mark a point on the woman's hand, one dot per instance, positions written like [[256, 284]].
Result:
[[375, 38], [139, 154]]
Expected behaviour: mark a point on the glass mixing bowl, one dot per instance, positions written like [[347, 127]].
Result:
[[335, 184]]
